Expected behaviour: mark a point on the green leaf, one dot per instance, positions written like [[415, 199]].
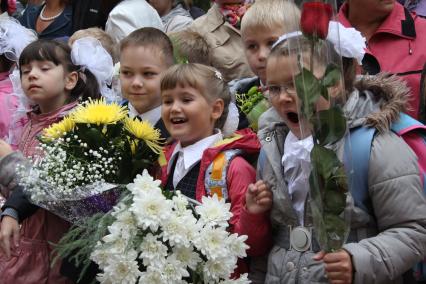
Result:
[[324, 161], [308, 89], [332, 75], [329, 126], [334, 202]]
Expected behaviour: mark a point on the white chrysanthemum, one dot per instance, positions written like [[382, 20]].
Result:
[[150, 210], [212, 242], [173, 270], [143, 184], [180, 204], [237, 246], [101, 256], [214, 212], [124, 269], [115, 245], [187, 256], [242, 280], [175, 231], [221, 268], [152, 276], [153, 252]]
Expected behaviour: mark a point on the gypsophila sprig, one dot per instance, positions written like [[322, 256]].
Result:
[[171, 242]]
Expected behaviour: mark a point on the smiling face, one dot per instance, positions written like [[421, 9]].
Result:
[[188, 115], [140, 69], [47, 84], [257, 46], [280, 71]]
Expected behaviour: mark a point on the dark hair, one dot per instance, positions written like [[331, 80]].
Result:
[[204, 78], [4, 5], [5, 64], [150, 37], [60, 54]]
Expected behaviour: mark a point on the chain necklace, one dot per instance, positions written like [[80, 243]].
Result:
[[48, 19]]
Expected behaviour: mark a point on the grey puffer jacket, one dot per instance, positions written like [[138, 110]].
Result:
[[386, 244]]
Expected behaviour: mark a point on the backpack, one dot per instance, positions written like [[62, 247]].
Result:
[[215, 176], [414, 134]]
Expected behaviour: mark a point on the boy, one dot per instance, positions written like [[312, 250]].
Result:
[[261, 26], [144, 55]]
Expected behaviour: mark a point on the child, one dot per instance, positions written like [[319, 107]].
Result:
[[383, 244], [196, 109], [261, 26], [144, 55], [51, 80], [191, 47], [13, 38]]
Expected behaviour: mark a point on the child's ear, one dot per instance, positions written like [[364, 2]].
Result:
[[71, 80], [217, 109]]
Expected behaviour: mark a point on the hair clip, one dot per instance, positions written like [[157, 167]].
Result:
[[218, 75]]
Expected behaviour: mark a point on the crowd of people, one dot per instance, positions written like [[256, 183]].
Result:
[[182, 69]]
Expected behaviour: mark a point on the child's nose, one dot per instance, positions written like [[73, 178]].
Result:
[[137, 82], [263, 53]]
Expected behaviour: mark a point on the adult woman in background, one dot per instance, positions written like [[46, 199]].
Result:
[[53, 19]]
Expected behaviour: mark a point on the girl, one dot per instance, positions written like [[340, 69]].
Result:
[[195, 109], [382, 245], [50, 80]]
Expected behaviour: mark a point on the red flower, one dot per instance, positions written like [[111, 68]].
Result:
[[315, 19]]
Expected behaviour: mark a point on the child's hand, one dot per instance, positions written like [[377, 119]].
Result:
[[9, 232], [5, 149], [258, 198], [338, 266]]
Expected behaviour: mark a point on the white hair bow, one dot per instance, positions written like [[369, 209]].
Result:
[[89, 53], [14, 38]]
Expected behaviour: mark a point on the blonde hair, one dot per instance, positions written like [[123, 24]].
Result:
[[105, 39], [204, 78], [271, 14], [191, 46]]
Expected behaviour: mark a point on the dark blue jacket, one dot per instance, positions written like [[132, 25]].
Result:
[[60, 27]]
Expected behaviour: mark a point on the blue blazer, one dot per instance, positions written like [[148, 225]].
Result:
[[60, 27]]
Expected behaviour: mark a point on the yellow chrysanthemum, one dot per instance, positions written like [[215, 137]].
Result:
[[143, 130], [99, 112], [59, 129]]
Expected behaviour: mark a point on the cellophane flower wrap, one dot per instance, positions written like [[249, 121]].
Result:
[[319, 85], [86, 159]]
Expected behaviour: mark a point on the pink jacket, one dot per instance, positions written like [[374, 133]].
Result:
[[8, 104], [31, 261], [399, 46]]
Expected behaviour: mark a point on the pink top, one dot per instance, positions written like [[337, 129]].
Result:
[[36, 124], [8, 104]]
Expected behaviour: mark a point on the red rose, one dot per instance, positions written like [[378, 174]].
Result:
[[315, 19]]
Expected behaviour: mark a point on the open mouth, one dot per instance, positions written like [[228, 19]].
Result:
[[178, 120], [293, 117]]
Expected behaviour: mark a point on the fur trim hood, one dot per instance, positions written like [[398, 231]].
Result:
[[377, 101]]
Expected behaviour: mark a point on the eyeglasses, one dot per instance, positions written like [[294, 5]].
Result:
[[276, 90]]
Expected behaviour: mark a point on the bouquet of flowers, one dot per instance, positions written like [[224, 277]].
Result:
[[252, 104], [87, 157], [160, 237]]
